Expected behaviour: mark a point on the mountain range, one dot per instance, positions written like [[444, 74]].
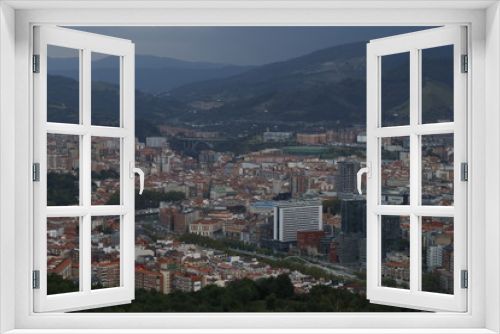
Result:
[[328, 85], [153, 74]]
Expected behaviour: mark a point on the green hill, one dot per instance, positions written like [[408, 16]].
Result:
[[327, 85]]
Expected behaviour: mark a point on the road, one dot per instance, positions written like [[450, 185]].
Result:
[[345, 273]]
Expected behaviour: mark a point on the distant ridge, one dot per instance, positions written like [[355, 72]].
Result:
[[154, 74], [325, 86]]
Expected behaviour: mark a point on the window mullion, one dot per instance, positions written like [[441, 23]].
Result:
[[86, 161], [414, 170], [85, 254]]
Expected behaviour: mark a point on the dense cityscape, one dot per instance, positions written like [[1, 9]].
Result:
[[294, 201]]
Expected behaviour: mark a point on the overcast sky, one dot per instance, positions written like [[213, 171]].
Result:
[[241, 45]]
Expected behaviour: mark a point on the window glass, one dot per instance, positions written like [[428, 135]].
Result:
[[63, 85], [437, 84], [395, 93], [63, 255], [105, 171], [105, 90], [437, 170], [395, 251], [63, 170], [437, 254], [395, 171], [105, 252]]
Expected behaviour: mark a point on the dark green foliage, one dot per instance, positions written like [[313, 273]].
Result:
[[224, 245], [56, 284], [104, 229], [62, 189], [430, 282], [149, 199], [343, 102], [395, 90], [332, 206], [105, 174], [273, 294], [389, 282], [144, 128], [105, 104], [63, 101]]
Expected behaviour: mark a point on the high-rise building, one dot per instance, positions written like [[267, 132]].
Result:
[[391, 234], [350, 249], [293, 216], [300, 185], [353, 212], [434, 257], [346, 179]]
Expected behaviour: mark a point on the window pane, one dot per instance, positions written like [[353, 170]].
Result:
[[437, 84], [63, 255], [437, 254], [395, 93], [105, 252], [105, 90], [395, 251], [437, 170], [63, 169], [63, 85], [105, 171], [395, 171]]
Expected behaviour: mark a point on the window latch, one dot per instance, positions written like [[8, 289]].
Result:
[[368, 171], [139, 171]]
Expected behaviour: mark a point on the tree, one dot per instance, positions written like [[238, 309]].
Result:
[[57, 284], [149, 199], [389, 282], [62, 189], [284, 287], [332, 206]]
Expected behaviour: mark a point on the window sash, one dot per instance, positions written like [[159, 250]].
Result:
[[413, 43], [86, 43]]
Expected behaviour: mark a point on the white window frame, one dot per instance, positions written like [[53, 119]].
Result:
[[483, 20], [124, 50], [413, 43]]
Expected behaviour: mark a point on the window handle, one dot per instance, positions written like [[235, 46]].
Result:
[[139, 171], [368, 171]]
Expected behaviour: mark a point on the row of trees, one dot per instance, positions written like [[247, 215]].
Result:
[[149, 199], [273, 294], [229, 246]]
